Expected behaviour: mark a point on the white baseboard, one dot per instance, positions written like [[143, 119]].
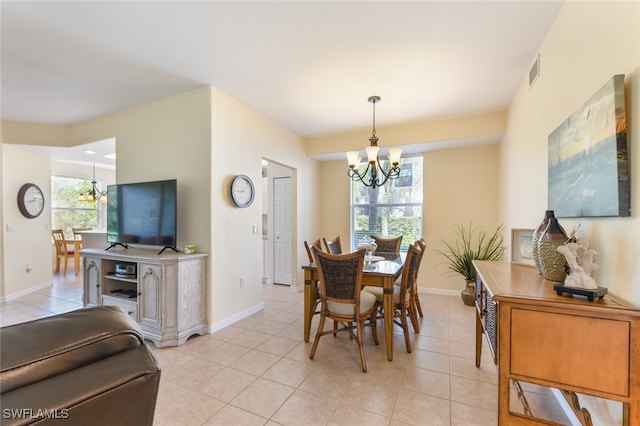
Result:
[[235, 318], [438, 291], [25, 291]]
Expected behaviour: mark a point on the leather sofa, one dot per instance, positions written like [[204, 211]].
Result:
[[90, 366]]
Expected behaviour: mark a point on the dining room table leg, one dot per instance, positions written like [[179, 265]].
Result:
[[77, 244], [310, 295]]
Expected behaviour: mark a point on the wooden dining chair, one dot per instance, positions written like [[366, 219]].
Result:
[[416, 296], [342, 299], [334, 246], [309, 249], [387, 245], [402, 302], [62, 251]]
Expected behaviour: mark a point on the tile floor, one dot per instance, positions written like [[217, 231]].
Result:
[[258, 371]]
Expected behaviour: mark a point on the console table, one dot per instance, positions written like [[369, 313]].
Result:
[[568, 343], [164, 293]]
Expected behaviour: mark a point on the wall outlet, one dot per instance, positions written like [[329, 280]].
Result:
[[29, 267], [243, 281]]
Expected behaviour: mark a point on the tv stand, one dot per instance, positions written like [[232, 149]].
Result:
[[169, 247], [119, 244], [166, 295]]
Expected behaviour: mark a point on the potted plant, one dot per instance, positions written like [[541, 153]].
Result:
[[472, 244]]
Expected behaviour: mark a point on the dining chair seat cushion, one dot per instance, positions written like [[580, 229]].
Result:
[[367, 300], [377, 292]]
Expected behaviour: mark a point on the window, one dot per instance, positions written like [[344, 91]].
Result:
[[66, 211], [392, 209]]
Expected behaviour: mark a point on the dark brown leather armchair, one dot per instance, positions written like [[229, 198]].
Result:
[[90, 366]]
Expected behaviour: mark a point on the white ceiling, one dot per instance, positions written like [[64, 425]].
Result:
[[310, 66]]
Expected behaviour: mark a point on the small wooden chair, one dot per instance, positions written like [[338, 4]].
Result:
[[62, 251], [342, 298], [402, 294], [387, 245], [334, 246]]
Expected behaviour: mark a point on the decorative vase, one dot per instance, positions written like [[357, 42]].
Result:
[[469, 293], [551, 261], [536, 236]]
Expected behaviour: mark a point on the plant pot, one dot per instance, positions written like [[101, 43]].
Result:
[[469, 293]]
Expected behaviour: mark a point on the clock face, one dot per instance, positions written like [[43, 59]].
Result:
[[242, 191], [30, 200]]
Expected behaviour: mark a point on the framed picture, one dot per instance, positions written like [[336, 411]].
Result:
[[522, 246], [588, 171]]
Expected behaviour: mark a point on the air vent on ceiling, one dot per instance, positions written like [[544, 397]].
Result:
[[535, 71]]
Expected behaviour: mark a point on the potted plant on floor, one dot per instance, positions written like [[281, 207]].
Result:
[[472, 244]]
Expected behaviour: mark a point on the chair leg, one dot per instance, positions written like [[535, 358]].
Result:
[[361, 346], [317, 339], [373, 320], [416, 300], [405, 328], [66, 263], [414, 318], [57, 264]]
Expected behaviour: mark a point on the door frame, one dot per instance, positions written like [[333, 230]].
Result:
[[274, 169]]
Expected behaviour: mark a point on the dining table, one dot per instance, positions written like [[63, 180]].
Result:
[[381, 270]]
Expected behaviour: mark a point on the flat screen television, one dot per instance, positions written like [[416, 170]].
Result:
[[142, 213]]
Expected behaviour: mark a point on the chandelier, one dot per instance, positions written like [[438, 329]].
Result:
[[94, 193], [377, 176]]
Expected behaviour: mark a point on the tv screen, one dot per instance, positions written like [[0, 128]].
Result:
[[142, 213]]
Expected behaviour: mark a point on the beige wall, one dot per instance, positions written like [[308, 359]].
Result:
[[202, 138], [460, 187], [24, 240], [588, 43], [241, 138]]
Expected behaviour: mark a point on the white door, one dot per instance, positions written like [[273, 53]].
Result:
[[282, 230]]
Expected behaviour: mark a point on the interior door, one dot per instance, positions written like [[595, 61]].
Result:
[[282, 230]]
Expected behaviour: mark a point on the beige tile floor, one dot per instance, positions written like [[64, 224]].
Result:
[[258, 372]]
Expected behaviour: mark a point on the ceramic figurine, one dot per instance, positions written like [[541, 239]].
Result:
[[582, 261]]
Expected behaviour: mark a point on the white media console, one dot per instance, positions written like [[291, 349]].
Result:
[[164, 293]]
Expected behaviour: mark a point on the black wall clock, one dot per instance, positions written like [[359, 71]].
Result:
[[30, 200], [242, 191]]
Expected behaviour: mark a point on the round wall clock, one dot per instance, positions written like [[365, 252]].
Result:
[[242, 191], [30, 200]]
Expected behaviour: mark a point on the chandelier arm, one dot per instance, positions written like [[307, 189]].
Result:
[[356, 176]]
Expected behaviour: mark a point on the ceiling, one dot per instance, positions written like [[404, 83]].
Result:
[[309, 66]]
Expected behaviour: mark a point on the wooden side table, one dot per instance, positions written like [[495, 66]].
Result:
[[569, 343]]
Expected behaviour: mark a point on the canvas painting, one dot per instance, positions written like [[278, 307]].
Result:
[[588, 164]]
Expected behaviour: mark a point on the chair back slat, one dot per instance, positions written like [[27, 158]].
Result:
[[309, 248], [58, 239], [334, 246], [387, 245], [340, 275], [411, 266]]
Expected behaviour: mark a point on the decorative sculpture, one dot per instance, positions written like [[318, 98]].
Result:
[[582, 261]]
